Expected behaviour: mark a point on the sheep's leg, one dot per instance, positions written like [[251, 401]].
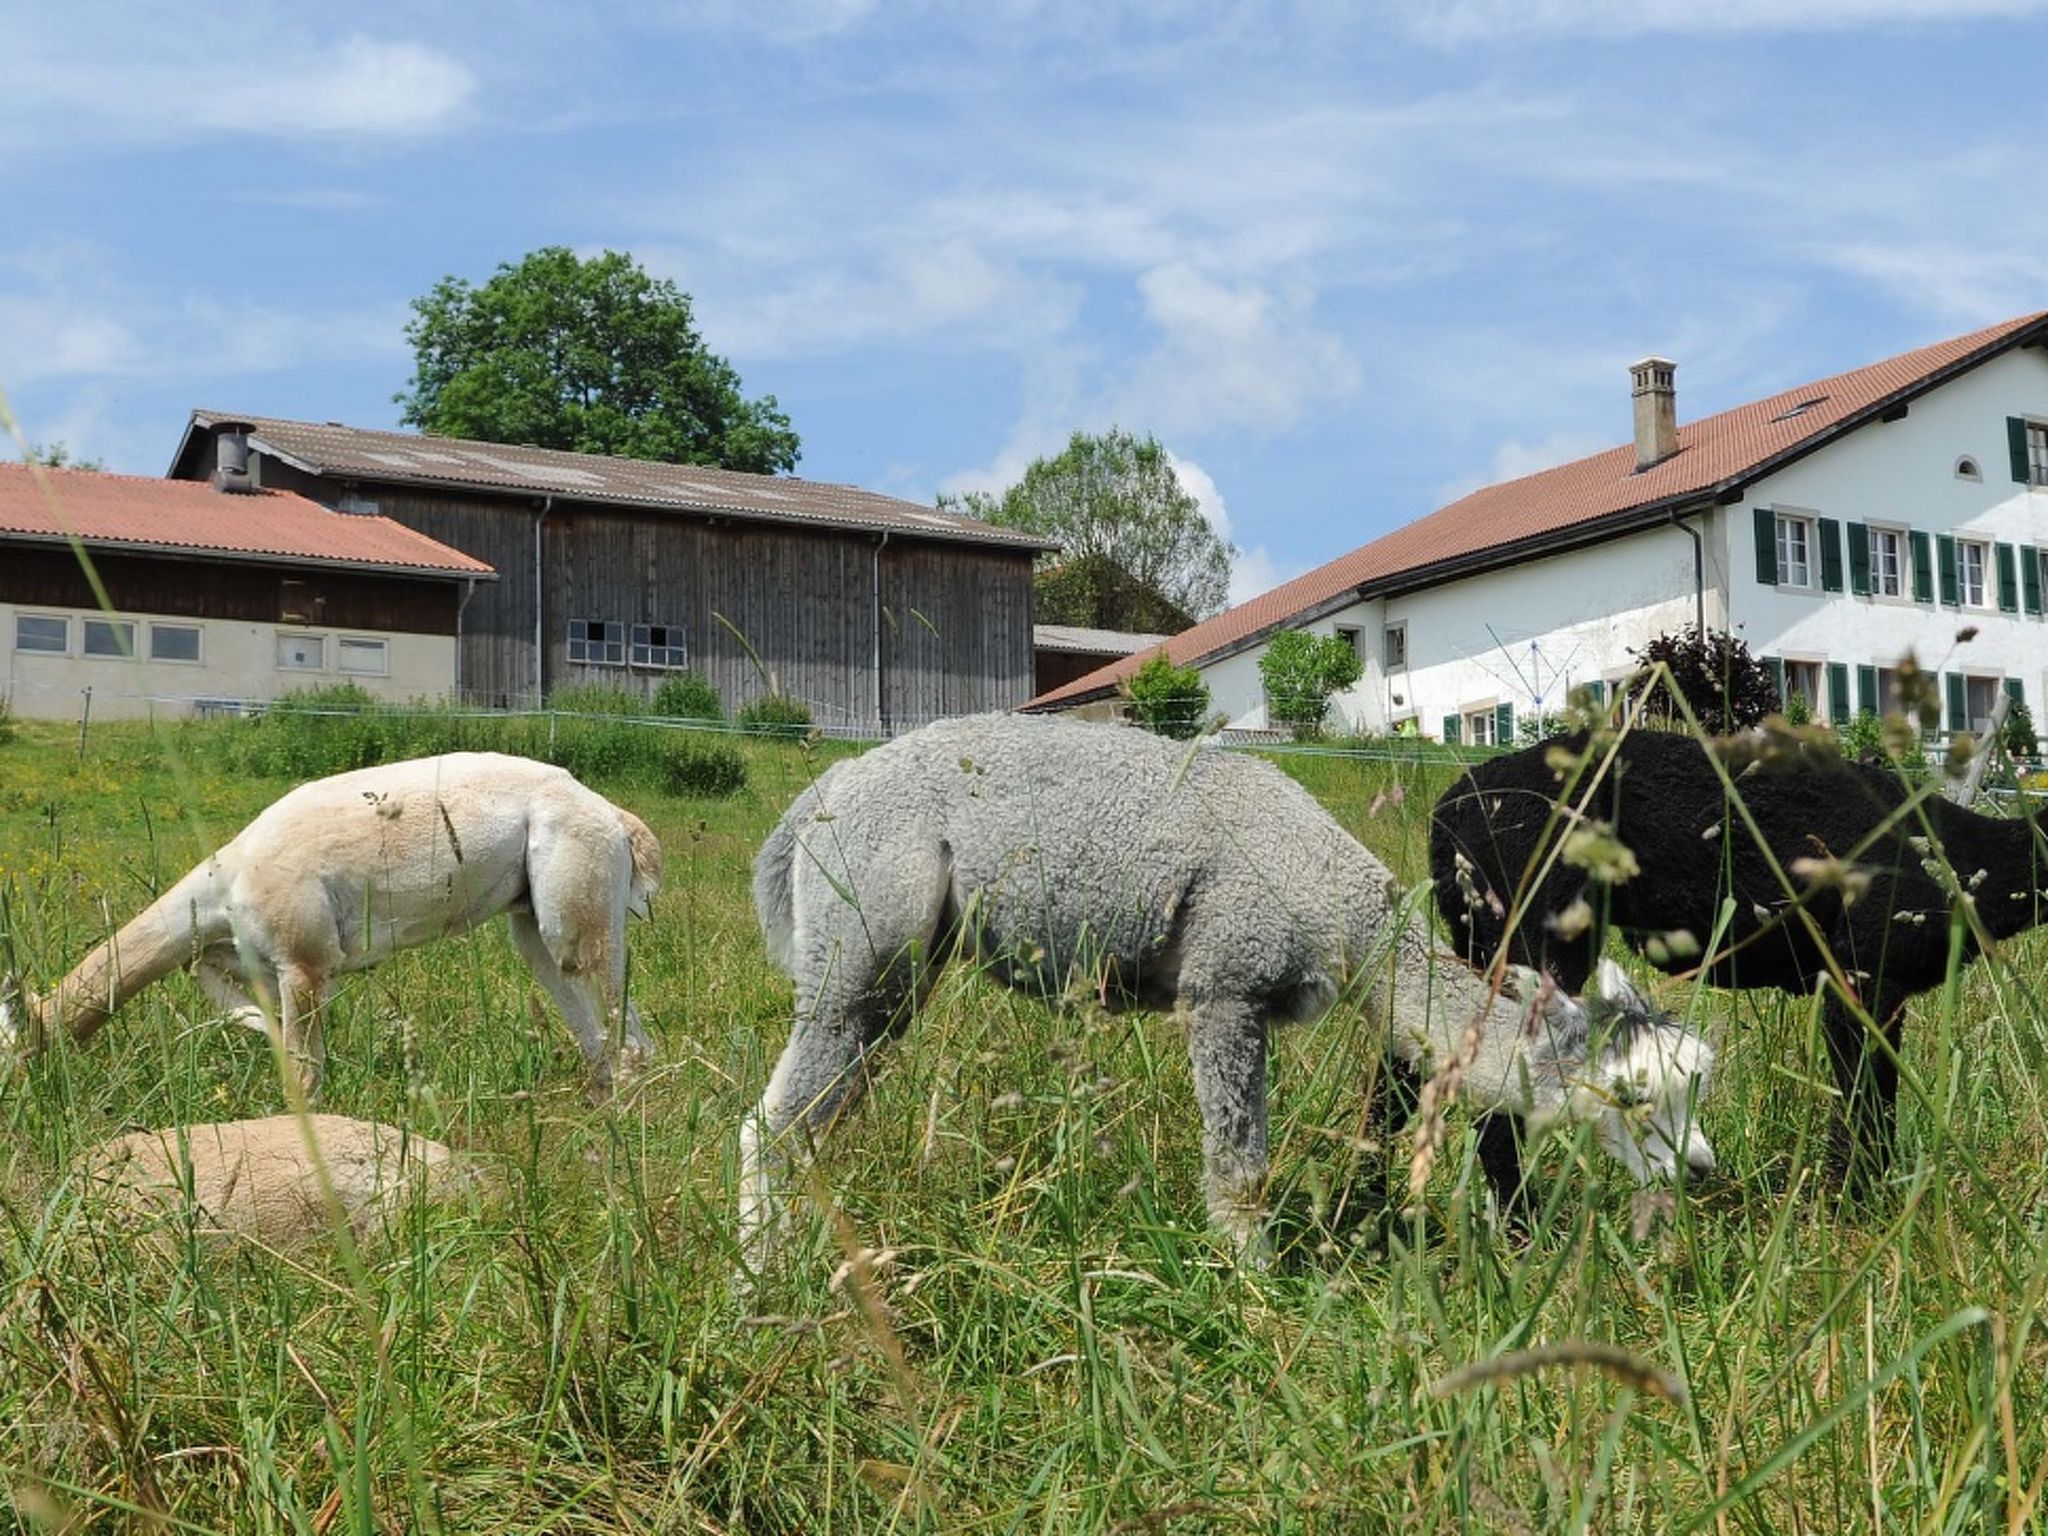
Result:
[[220, 977], [1500, 1159], [302, 996], [1227, 1047], [582, 999], [1867, 1075]]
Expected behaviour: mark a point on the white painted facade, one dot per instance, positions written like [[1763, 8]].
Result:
[[235, 662], [1524, 636]]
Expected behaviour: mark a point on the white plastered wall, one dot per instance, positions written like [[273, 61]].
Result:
[[238, 661]]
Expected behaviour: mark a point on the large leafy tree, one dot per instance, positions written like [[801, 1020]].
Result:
[[593, 356], [1135, 551]]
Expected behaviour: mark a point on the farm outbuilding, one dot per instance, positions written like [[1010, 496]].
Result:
[[878, 613], [212, 598]]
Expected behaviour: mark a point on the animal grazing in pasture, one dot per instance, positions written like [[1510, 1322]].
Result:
[[345, 871], [1884, 919], [1058, 854], [258, 1179]]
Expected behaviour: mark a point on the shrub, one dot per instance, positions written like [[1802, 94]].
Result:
[[687, 696], [2018, 738], [704, 770], [596, 699], [1530, 729], [6, 719], [1301, 671], [1726, 687], [1173, 701], [776, 714], [1798, 711]]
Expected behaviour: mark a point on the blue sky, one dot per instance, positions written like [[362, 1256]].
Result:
[[1345, 261]]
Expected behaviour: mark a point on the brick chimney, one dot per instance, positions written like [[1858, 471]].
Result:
[[1656, 400]]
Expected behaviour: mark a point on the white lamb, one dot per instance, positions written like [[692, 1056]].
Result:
[[345, 871], [1158, 874]]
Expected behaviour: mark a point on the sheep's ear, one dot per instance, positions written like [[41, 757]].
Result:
[[1612, 986]]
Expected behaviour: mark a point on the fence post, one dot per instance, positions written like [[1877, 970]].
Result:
[[551, 733], [84, 720]]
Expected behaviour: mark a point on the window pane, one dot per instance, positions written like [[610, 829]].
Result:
[[302, 653], [41, 632], [173, 642], [369, 658], [109, 637]]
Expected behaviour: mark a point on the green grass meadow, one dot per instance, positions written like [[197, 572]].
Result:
[[1002, 1311]]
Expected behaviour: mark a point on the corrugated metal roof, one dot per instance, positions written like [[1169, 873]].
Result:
[[1715, 454], [408, 458], [129, 511], [1097, 642]]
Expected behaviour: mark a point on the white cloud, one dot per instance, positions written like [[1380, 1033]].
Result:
[[1254, 570], [1478, 21], [1231, 355], [1969, 285], [1514, 458], [79, 73]]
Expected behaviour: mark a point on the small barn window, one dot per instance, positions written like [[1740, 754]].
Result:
[[302, 653], [363, 656], [659, 645], [1394, 647], [173, 642], [1966, 469], [43, 634], [597, 642], [109, 637]]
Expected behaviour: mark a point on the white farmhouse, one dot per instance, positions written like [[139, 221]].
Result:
[[1835, 527]]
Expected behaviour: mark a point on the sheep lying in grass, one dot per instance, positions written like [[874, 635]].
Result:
[[1884, 919], [344, 872], [258, 1179], [1058, 854]]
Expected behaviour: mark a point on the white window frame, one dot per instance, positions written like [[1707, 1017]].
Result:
[[341, 648], [286, 635], [1393, 639], [1804, 526], [1479, 724], [641, 651], [1814, 676], [196, 631], [125, 629], [1902, 573], [1982, 550], [608, 642], [2037, 453], [51, 618], [1978, 685]]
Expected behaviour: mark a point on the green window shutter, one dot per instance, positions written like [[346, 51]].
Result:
[[2008, 578], [2016, 441], [1866, 689], [1838, 692], [2016, 690], [2030, 578], [1766, 546], [1504, 725], [1859, 559], [1777, 666], [1596, 690], [1951, 592], [1958, 703], [1923, 566], [1454, 730], [1830, 555]]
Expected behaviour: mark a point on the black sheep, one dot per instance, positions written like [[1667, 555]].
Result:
[[1667, 804]]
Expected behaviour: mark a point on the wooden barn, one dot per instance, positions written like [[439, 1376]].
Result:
[[878, 613], [213, 599]]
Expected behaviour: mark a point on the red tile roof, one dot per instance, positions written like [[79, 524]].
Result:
[[407, 458], [190, 516], [1597, 495]]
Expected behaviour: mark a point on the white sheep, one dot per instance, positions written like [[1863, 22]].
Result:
[[345, 871], [1159, 874]]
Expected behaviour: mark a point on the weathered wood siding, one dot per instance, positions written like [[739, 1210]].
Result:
[[956, 631], [758, 605], [220, 589]]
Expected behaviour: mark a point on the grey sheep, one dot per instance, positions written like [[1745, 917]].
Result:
[[1157, 874]]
